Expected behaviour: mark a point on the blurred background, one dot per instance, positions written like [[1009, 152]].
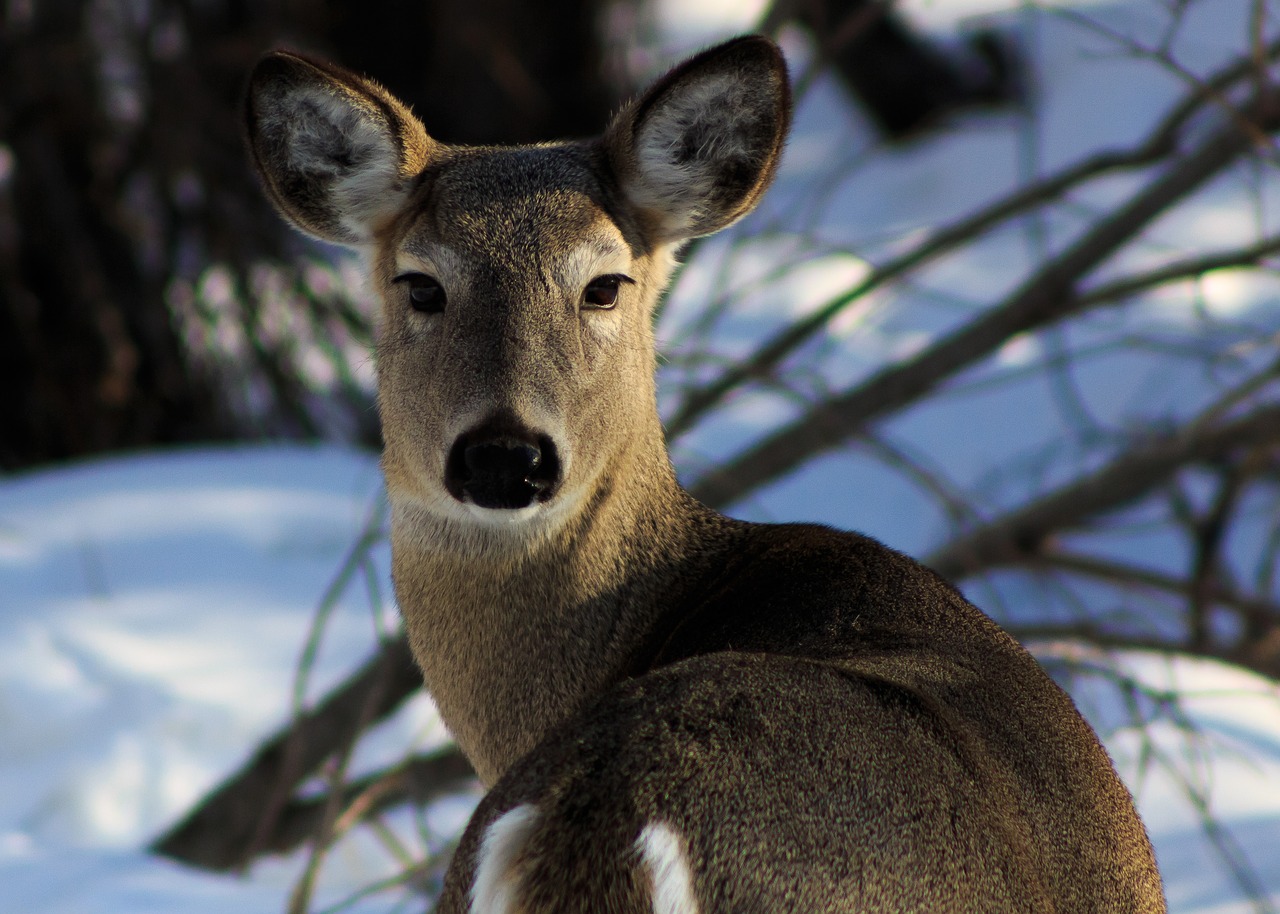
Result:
[[1011, 307], [149, 295]]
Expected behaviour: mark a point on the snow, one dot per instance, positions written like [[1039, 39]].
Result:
[[153, 614], [154, 610], [154, 607]]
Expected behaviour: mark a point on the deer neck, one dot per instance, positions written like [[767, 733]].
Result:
[[514, 629]]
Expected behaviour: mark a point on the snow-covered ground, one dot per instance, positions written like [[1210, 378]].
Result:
[[153, 609], [153, 613]]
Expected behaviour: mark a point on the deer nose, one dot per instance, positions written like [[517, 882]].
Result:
[[502, 469]]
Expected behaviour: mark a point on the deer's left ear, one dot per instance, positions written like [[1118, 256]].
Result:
[[696, 151]]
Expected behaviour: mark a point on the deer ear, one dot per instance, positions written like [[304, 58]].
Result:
[[696, 152], [336, 152]]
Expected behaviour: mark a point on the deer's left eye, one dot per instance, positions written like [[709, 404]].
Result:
[[601, 293]]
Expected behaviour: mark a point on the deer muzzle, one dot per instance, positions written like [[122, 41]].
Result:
[[498, 467]]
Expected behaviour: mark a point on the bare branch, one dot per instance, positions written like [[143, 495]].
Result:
[[224, 831], [1018, 535], [1045, 298], [1186, 268], [1125, 575], [1248, 657], [1209, 534], [927, 478], [418, 780], [1202, 88], [1160, 143], [1037, 634]]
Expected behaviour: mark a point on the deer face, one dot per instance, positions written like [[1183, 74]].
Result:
[[515, 358]]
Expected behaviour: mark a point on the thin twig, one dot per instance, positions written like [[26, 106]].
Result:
[[1012, 538], [332, 824], [418, 779], [220, 833], [1178, 270], [1207, 89], [1126, 575]]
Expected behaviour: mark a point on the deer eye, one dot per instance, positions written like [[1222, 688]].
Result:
[[602, 292], [426, 295]]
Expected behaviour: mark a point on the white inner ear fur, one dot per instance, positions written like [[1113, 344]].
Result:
[[330, 135], [713, 116]]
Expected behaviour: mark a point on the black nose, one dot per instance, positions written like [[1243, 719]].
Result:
[[502, 467]]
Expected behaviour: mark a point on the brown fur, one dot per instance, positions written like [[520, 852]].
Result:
[[824, 724]]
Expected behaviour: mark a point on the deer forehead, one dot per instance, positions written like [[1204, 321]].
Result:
[[544, 214]]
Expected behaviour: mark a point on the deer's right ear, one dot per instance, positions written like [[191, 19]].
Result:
[[336, 152], [696, 151]]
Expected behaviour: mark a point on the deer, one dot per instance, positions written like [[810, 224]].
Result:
[[672, 711]]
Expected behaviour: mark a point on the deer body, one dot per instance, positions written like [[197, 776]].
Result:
[[677, 712]]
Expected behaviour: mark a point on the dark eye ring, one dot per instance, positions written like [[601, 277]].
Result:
[[426, 295], [602, 292]]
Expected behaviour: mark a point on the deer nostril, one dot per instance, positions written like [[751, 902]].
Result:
[[500, 470]]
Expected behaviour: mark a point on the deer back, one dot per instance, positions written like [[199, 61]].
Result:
[[826, 726]]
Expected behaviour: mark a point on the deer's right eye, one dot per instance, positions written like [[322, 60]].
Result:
[[426, 295]]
